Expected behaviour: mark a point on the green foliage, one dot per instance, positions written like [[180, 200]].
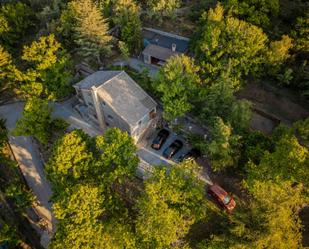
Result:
[[162, 8], [86, 173], [127, 15], [219, 99], [3, 133], [254, 146], [14, 21], [21, 196], [278, 53], [281, 225], [223, 148], [228, 43], [172, 201], [177, 97], [6, 68], [124, 50], [286, 77], [78, 210], [36, 120], [49, 73], [258, 12], [83, 22], [270, 220], [288, 161], [302, 129], [117, 160], [240, 115], [301, 33], [8, 234], [71, 160]]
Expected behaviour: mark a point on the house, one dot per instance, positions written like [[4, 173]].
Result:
[[159, 46], [114, 99]]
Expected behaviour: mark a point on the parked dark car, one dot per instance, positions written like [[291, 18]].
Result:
[[222, 197], [193, 153], [160, 139], [170, 151]]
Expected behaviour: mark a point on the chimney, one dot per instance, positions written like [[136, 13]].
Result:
[[174, 47]]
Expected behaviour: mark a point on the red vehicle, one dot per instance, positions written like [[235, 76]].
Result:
[[224, 199]]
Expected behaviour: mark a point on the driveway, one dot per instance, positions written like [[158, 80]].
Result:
[[30, 163], [31, 166]]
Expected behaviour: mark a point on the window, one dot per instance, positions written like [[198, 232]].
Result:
[[110, 117], [89, 103], [140, 122], [226, 199], [95, 116], [103, 102], [107, 124]]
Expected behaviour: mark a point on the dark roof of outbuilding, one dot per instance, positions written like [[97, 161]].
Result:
[[164, 39]]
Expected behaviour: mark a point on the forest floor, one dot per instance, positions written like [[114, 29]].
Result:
[[273, 105]]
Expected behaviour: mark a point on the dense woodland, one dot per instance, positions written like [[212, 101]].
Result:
[[97, 200]]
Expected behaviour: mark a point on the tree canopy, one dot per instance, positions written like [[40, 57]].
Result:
[[179, 84], [49, 73], [15, 19], [254, 11], [83, 21], [126, 13], [225, 42], [172, 201], [223, 148], [162, 8], [36, 120]]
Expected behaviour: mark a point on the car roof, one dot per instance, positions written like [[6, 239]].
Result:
[[220, 192], [163, 131], [178, 142]]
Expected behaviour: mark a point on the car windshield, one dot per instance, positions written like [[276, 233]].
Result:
[[226, 200]]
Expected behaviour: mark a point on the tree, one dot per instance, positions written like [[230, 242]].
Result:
[[220, 101], [301, 33], [85, 173], [78, 210], [3, 134], [124, 50], [276, 205], [240, 115], [270, 220], [287, 162], [49, 74], [177, 97], [35, 121], [161, 8], [228, 43], [172, 201], [223, 148], [278, 53], [71, 160], [6, 67], [302, 129], [258, 12], [15, 18], [127, 15], [117, 160], [83, 22]]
